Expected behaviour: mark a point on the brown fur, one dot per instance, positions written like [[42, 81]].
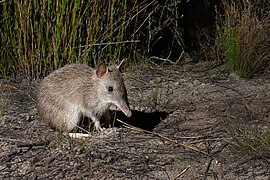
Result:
[[77, 90]]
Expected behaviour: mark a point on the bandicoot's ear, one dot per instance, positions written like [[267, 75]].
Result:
[[101, 70], [122, 65]]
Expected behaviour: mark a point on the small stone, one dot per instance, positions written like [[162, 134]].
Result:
[[170, 91], [158, 80], [191, 109], [196, 82], [233, 76], [28, 117]]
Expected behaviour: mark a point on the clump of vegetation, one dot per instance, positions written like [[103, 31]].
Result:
[[40, 36], [2, 103], [243, 36], [243, 42], [251, 140]]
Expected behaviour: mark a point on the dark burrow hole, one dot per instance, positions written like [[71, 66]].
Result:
[[143, 120]]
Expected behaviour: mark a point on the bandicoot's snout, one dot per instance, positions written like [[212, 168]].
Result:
[[125, 109], [128, 113]]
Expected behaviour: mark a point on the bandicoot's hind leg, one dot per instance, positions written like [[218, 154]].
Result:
[[71, 125], [65, 118], [71, 118]]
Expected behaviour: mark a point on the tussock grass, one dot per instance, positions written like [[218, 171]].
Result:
[[243, 41], [251, 140], [243, 37], [254, 44], [40, 36]]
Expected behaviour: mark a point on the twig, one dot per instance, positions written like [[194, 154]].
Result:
[[185, 170], [82, 129], [31, 145], [180, 57], [161, 59], [145, 18], [12, 140], [110, 43], [141, 81], [161, 136], [209, 162]]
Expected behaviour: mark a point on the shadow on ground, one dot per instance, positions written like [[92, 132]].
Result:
[[143, 120]]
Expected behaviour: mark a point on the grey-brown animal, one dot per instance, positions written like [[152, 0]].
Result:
[[76, 90]]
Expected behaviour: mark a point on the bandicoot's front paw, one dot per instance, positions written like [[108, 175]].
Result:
[[101, 129]]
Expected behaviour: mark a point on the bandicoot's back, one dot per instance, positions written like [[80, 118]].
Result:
[[77, 90]]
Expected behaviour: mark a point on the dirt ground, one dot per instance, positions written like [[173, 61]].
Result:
[[194, 104]]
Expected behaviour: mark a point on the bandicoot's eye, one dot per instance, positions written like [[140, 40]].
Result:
[[110, 89]]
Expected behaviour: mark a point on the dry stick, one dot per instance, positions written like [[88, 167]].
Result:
[[161, 136], [82, 129], [162, 59], [145, 18], [185, 170], [110, 43]]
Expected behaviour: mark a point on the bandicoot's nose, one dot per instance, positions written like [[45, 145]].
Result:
[[128, 113], [125, 109]]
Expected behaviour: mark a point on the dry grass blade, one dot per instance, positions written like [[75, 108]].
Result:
[[161, 136], [8, 86], [253, 140], [185, 170]]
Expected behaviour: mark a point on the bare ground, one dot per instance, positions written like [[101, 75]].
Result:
[[193, 104]]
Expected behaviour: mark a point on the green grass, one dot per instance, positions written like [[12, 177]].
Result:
[[40, 36], [230, 46]]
